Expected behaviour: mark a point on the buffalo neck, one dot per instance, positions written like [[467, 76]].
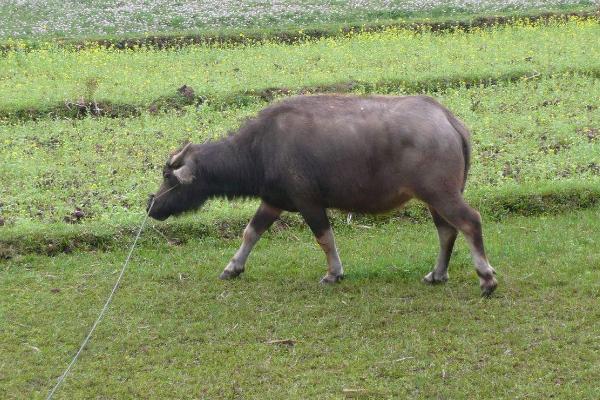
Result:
[[231, 169]]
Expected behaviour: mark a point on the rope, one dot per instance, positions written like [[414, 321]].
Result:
[[87, 338]]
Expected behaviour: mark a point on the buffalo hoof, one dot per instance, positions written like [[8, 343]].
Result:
[[329, 279], [488, 287], [228, 274], [432, 279]]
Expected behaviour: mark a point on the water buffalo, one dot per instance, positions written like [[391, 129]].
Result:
[[359, 154]]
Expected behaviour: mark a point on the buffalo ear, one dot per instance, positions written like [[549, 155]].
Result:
[[177, 159], [184, 175]]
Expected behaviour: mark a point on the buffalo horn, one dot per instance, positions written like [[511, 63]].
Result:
[[177, 159]]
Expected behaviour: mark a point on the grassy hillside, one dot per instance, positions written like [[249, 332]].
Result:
[[526, 132], [53, 81], [532, 106]]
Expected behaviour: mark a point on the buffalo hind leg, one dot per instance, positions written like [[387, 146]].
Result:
[[262, 220], [317, 220], [447, 235], [468, 221]]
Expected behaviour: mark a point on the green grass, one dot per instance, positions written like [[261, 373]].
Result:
[[535, 137], [447, 20], [52, 80], [531, 95], [532, 133], [114, 20], [175, 330]]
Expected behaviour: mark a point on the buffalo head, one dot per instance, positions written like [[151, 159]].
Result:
[[181, 190]]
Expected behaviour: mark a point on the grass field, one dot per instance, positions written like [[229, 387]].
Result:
[[53, 18], [531, 132], [44, 80], [176, 331], [89, 127]]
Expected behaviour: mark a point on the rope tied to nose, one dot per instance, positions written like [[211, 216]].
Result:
[[114, 289]]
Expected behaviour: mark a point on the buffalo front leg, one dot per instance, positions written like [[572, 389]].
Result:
[[447, 235], [335, 271], [317, 220], [262, 220]]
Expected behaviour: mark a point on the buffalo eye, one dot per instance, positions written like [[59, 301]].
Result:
[[167, 174]]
